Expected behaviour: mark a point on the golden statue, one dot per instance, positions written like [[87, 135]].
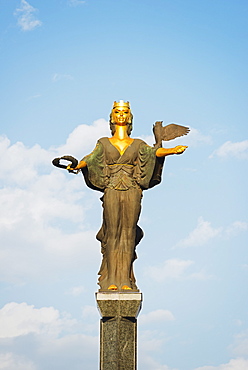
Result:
[[121, 168]]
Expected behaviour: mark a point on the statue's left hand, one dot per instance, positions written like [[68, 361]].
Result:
[[163, 152], [179, 149]]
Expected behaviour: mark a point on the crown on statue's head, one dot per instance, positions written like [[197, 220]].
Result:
[[121, 104]]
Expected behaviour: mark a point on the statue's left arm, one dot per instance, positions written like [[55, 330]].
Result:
[[150, 163]]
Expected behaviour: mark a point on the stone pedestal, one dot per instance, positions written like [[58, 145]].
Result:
[[118, 330]]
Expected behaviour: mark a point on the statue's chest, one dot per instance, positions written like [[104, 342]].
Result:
[[125, 153], [121, 145]]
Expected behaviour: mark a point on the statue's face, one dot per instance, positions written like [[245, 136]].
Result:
[[121, 115]]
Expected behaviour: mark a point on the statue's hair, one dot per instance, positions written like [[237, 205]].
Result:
[[112, 124]]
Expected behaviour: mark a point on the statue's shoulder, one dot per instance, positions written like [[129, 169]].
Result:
[[103, 140], [139, 141]]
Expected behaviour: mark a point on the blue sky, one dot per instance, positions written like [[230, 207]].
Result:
[[63, 63]]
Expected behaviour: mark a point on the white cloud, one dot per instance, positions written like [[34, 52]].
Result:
[[157, 316], [148, 363], [31, 236], [43, 221], [240, 345], [43, 334], [76, 291], [42, 209], [236, 227], [57, 77], [151, 343], [10, 361], [205, 232], [21, 319], [238, 322], [170, 269], [79, 351], [90, 311], [23, 163], [196, 138], [83, 138], [234, 364], [228, 149], [26, 16], [41, 351], [200, 235], [176, 269]]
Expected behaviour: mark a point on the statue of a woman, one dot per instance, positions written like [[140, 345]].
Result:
[[122, 167]]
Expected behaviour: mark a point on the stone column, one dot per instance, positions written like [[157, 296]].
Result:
[[118, 329]]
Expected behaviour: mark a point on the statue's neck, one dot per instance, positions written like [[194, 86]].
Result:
[[121, 132]]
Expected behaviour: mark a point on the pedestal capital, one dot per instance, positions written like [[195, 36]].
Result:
[[119, 304]]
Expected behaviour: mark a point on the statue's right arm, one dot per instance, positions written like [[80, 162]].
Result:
[[80, 165]]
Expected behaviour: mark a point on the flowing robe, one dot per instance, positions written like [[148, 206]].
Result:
[[121, 178]]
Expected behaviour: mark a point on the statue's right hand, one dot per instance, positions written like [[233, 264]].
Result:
[[74, 163], [71, 169]]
